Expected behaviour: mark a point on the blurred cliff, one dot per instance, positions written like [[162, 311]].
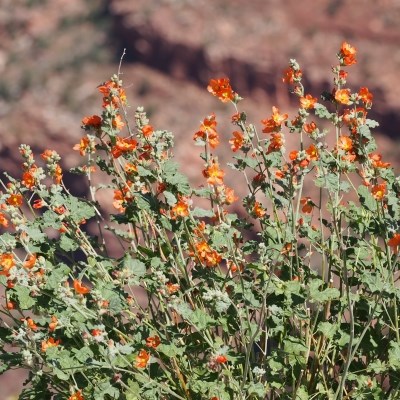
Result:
[[53, 54]]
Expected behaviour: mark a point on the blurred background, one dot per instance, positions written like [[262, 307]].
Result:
[[54, 53]]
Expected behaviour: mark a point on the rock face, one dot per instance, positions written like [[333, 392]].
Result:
[[251, 43], [52, 61]]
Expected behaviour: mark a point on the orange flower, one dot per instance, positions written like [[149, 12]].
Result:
[[181, 208], [366, 96], [49, 343], [308, 101], [96, 332], [76, 396], [354, 118], [6, 262], [10, 305], [347, 54], [28, 179], [343, 96], [376, 161], [280, 174], [258, 210], [274, 123], [147, 131], [30, 261], [79, 288], [142, 359], [213, 174], [237, 141], [293, 155], [82, 146], [345, 143], [221, 88], [229, 195], [30, 323], [172, 287], [92, 121], [64, 228], [379, 191], [236, 118], [208, 132], [113, 94], [290, 75], [60, 210], [47, 155], [312, 152], [123, 145], [220, 359], [287, 248], [130, 168], [153, 341], [307, 204], [394, 242], [38, 203], [3, 220], [117, 122], [276, 142], [119, 199], [207, 255], [58, 174], [53, 324], [343, 75], [233, 267], [14, 200]]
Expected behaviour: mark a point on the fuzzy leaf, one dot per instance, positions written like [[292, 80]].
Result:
[[366, 198], [135, 266], [25, 301]]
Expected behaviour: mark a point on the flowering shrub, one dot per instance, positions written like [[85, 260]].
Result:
[[295, 298]]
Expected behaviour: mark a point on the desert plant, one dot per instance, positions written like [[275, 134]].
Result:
[[173, 295]]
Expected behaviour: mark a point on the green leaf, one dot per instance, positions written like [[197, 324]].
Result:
[[394, 355], [170, 350], [68, 244], [83, 354], [79, 209], [243, 162], [35, 234], [201, 213], [327, 329], [25, 301], [133, 390], [170, 198], [135, 266], [7, 242], [321, 111], [366, 198], [328, 181], [144, 171], [201, 320], [143, 201], [57, 275], [322, 296], [173, 177], [256, 389], [296, 350], [105, 388], [302, 394]]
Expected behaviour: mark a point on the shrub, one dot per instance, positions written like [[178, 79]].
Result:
[[295, 296]]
